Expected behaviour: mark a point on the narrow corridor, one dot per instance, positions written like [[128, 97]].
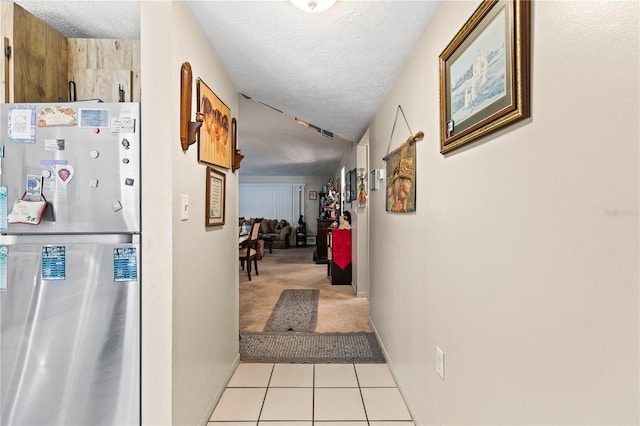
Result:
[[308, 394]]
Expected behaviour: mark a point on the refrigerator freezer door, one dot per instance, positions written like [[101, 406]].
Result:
[[70, 348], [90, 171]]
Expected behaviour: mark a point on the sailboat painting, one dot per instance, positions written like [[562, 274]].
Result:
[[479, 74], [485, 73]]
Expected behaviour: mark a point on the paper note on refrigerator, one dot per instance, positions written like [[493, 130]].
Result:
[[125, 264], [54, 260], [123, 125], [21, 125]]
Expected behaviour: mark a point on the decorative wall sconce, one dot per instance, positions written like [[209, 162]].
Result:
[[188, 128], [362, 189], [236, 156]]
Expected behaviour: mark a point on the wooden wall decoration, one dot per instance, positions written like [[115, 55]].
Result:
[[236, 156], [188, 128]]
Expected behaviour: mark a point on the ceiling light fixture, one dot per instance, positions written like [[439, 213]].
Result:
[[302, 122], [313, 6], [343, 139]]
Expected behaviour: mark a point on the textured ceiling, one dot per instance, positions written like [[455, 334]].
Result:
[[331, 69], [88, 19]]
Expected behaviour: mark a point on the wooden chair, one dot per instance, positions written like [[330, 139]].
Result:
[[248, 252]]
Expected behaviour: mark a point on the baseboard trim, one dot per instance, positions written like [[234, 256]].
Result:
[[391, 368], [212, 406]]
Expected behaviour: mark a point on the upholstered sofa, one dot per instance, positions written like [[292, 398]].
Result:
[[278, 230]]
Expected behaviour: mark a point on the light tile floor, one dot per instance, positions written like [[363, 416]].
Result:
[[308, 394]]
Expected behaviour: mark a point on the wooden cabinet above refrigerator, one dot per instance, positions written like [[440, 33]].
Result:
[[42, 63]]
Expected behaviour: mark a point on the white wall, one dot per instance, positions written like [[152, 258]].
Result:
[[360, 226], [190, 272], [521, 261], [157, 212], [353, 159]]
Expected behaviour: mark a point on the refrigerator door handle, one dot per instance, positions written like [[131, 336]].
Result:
[[61, 239]]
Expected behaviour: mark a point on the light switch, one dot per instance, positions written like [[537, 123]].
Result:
[[184, 208]]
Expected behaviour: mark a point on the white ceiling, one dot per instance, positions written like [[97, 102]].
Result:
[[331, 69]]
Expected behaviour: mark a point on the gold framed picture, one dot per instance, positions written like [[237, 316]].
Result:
[[214, 146], [215, 197], [485, 73]]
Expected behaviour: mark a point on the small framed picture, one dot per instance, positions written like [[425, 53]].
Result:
[[374, 183], [215, 204], [353, 182], [34, 188], [313, 195]]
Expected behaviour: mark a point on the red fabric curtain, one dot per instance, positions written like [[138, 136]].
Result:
[[341, 247]]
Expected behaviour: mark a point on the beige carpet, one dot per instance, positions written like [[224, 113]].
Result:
[[339, 311]]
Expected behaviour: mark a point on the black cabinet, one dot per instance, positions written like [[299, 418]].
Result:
[[339, 275], [339, 252], [320, 255]]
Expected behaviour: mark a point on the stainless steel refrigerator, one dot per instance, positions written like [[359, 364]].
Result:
[[70, 284]]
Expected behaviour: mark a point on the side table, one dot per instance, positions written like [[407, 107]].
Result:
[[268, 243]]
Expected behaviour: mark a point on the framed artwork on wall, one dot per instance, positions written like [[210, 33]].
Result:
[[313, 195], [353, 183], [485, 73], [215, 197], [214, 146], [401, 179]]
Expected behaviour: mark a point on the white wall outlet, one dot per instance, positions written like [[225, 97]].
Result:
[[184, 207], [440, 362]]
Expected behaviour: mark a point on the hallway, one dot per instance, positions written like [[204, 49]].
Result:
[[303, 394], [339, 310], [307, 394]]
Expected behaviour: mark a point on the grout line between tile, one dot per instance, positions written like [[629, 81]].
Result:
[[313, 387], [264, 399], [366, 415], [313, 397]]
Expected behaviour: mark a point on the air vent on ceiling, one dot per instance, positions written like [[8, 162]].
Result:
[[323, 132]]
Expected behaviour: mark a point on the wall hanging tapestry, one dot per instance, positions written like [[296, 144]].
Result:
[[401, 172]]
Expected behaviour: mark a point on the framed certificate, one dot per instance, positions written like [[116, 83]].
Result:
[[215, 204]]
